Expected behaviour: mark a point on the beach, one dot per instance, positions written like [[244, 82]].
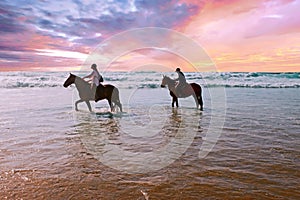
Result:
[[151, 151]]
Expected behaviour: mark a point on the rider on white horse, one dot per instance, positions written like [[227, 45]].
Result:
[[181, 82], [95, 77]]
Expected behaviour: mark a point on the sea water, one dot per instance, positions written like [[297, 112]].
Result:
[[151, 151]]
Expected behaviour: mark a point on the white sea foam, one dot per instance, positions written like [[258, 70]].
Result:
[[131, 80]]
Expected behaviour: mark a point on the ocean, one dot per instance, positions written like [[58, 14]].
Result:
[[245, 144]]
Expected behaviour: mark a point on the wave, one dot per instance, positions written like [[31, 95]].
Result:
[[253, 85], [289, 75], [153, 80], [149, 85], [30, 79]]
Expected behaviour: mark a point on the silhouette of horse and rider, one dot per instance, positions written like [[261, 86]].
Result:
[[96, 91], [182, 89]]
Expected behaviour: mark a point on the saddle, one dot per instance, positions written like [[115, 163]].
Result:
[[182, 90]]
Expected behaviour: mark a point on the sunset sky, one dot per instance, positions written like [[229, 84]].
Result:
[[238, 35]]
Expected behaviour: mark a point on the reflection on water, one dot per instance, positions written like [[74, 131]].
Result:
[[123, 144], [181, 129]]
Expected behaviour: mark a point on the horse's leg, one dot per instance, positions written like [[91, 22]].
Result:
[[200, 101], [110, 104], [88, 105], [198, 93], [120, 106], [196, 100], [118, 103], [113, 106], [76, 103], [173, 101], [115, 98]]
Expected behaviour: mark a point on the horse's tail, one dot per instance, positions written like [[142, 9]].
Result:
[[115, 94], [116, 98], [198, 93]]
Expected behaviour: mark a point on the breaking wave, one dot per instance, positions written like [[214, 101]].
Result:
[[153, 79]]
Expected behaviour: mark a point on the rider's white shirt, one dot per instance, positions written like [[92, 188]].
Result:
[[95, 76]]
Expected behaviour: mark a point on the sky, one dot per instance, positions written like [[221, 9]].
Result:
[[237, 35]]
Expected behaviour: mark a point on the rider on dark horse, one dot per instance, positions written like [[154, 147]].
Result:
[[95, 77], [181, 82]]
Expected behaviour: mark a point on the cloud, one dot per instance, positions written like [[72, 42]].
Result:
[[8, 57], [80, 25], [281, 19], [9, 23], [85, 18], [111, 17]]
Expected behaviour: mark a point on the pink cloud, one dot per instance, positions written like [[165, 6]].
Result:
[[236, 33], [250, 32], [278, 19], [149, 59]]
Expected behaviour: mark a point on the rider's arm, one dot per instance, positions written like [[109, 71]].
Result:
[[88, 76]]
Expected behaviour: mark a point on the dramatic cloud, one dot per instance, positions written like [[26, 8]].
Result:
[[47, 35]]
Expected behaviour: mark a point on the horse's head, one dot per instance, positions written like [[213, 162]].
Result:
[[163, 82], [70, 80], [166, 81]]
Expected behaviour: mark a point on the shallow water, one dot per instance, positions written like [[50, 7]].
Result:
[[151, 151]]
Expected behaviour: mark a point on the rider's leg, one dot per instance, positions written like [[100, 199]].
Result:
[[179, 89], [93, 88]]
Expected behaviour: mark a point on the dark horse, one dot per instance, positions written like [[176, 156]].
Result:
[[191, 89], [108, 92]]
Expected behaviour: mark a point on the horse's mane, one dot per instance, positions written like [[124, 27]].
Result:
[[170, 79], [79, 79]]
